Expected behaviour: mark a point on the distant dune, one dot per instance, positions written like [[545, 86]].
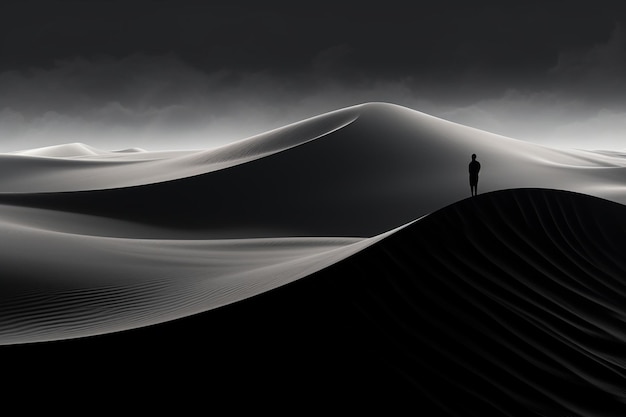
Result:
[[69, 150], [343, 249]]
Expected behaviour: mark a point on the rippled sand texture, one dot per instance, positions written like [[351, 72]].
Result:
[[510, 303]]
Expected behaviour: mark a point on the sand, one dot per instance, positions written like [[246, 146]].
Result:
[[163, 230], [346, 243]]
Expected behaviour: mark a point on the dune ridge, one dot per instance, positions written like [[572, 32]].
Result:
[[84, 285], [505, 302], [512, 300], [79, 167]]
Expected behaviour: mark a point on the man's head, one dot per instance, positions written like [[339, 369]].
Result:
[[473, 157]]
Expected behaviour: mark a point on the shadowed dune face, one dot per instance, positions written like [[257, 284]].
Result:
[[507, 302]]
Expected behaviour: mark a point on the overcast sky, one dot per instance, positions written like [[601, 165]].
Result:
[[196, 74]]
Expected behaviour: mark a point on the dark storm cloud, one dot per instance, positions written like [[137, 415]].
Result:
[[161, 102], [595, 70], [378, 39], [192, 73], [139, 99], [578, 102]]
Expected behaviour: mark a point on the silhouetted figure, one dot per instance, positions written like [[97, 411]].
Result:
[[474, 169]]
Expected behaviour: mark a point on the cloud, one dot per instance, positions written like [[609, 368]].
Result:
[[596, 71], [139, 100], [162, 101], [553, 118], [525, 115], [576, 103], [607, 129], [157, 102], [599, 59]]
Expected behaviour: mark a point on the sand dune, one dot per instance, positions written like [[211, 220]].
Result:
[[160, 218], [359, 139], [351, 229], [76, 167], [510, 303], [358, 171], [83, 285], [68, 150]]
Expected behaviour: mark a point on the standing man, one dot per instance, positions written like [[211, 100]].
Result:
[[474, 169]]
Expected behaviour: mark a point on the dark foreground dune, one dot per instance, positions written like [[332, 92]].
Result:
[[510, 303]]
